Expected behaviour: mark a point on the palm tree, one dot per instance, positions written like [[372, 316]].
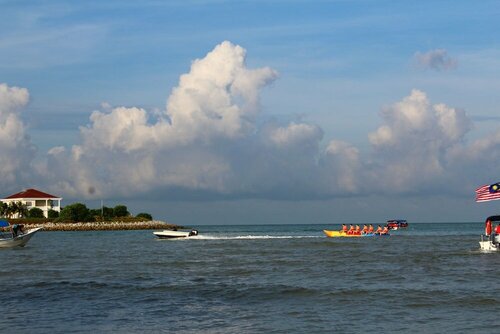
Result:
[[3, 209], [11, 209], [16, 208], [22, 210]]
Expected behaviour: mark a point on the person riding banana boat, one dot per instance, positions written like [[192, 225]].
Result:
[[357, 230], [351, 229]]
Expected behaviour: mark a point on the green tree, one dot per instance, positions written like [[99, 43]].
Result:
[[120, 211], [76, 212], [103, 212], [35, 213], [3, 209], [145, 215], [17, 208], [9, 209], [96, 213], [108, 212], [52, 214]]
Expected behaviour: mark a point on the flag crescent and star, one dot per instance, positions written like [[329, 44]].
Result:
[[488, 192]]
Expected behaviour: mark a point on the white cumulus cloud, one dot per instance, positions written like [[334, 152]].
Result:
[[411, 148], [212, 141], [211, 110], [16, 149]]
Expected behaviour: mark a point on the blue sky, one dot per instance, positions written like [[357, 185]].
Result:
[[340, 88]]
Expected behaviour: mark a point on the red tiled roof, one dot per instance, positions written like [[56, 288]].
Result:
[[31, 193]]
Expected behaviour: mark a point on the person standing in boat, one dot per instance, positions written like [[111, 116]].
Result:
[[497, 229], [488, 228], [17, 229]]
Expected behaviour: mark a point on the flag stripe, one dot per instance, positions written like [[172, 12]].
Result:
[[485, 193]]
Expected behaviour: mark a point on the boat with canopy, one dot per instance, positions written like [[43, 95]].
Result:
[[395, 224], [490, 240]]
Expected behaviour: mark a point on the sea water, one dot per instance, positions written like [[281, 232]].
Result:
[[429, 278]]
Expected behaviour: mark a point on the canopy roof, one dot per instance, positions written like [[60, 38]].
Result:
[[493, 218], [4, 223], [31, 193]]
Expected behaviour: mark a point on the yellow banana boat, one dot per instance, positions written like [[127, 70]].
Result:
[[341, 234]]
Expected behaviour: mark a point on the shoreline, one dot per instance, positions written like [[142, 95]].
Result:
[[103, 226]]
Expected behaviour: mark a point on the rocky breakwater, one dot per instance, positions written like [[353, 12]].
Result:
[[104, 226]]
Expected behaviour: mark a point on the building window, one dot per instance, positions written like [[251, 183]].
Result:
[[29, 204], [40, 203]]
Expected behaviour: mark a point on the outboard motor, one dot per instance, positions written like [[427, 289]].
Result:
[[193, 232]]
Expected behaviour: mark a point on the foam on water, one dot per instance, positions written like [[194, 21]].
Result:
[[250, 237]]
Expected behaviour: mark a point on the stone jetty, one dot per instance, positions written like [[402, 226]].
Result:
[[103, 226]]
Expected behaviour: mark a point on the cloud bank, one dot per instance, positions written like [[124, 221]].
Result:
[[437, 60], [211, 141]]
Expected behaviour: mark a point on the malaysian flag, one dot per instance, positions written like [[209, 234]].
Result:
[[488, 192]]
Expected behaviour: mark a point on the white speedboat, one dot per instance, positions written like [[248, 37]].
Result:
[[173, 234], [20, 240], [490, 241]]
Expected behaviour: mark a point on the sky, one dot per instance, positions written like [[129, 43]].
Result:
[[254, 112]]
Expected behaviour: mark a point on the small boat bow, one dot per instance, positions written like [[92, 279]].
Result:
[[19, 240]]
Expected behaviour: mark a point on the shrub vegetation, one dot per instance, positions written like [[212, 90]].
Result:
[[35, 213], [78, 212]]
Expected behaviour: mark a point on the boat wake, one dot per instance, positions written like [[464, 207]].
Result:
[[251, 237]]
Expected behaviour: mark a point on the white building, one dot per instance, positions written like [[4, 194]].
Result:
[[33, 198]]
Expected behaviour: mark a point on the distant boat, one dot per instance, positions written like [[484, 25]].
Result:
[[15, 237], [395, 224], [174, 234]]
